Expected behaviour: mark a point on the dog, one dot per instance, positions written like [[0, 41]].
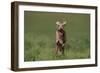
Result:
[[60, 37]]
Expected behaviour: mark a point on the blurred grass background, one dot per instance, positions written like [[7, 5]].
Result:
[[39, 36]]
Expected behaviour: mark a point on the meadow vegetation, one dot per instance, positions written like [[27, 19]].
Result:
[[39, 36]]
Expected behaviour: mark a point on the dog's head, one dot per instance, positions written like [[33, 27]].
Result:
[[60, 24]]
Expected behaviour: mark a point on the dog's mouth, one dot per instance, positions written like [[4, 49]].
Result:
[[61, 30]]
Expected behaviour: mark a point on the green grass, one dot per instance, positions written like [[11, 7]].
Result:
[[39, 36]]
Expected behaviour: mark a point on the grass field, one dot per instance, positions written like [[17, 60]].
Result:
[[39, 36]]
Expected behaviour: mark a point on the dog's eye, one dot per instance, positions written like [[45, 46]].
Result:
[[63, 25], [58, 25]]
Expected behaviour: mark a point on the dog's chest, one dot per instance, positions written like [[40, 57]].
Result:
[[61, 34]]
